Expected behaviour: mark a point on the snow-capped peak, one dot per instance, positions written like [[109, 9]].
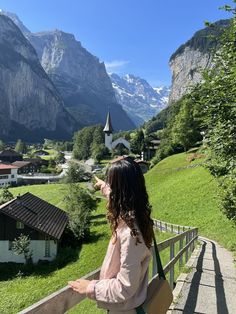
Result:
[[138, 98]]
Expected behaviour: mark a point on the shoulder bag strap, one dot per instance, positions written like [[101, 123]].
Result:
[[158, 260]]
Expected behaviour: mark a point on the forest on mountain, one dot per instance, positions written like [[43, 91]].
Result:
[[206, 117]]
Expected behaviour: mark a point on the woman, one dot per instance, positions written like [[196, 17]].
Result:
[[123, 281]]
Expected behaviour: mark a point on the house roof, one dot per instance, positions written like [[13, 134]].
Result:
[[108, 127], [20, 164], [9, 152], [37, 214], [6, 166]]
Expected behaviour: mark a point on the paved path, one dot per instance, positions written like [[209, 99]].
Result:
[[211, 287]]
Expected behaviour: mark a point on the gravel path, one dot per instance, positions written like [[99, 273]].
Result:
[[211, 286]]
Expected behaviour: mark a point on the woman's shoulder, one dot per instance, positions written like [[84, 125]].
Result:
[[124, 234]]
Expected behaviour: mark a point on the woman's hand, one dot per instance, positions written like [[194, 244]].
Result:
[[80, 285], [99, 183]]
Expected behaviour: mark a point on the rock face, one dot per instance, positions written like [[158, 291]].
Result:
[[138, 98], [80, 78], [76, 82], [29, 100], [190, 59]]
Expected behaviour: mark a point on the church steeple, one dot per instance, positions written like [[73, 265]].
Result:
[[108, 129]]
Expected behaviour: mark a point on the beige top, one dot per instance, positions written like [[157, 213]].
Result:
[[124, 274]]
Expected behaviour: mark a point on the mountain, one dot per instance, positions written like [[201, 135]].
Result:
[[30, 107], [79, 77], [138, 98], [191, 58]]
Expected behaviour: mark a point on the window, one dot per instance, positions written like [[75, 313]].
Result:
[[19, 225], [12, 176], [3, 177]]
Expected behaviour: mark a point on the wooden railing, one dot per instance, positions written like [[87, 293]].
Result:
[[65, 298]]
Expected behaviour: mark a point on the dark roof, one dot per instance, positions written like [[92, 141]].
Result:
[[20, 163], [37, 214], [108, 127], [9, 152]]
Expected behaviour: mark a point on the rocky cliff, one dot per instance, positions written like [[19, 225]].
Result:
[[80, 78], [191, 58], [29, 100]]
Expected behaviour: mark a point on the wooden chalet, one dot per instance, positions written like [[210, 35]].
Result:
[[25, 167], [29, 215]]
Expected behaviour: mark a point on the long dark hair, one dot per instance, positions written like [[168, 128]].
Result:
[[128, 199]]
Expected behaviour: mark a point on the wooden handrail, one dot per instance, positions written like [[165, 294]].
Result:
[[62, 300]]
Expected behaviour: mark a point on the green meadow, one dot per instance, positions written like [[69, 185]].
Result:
[[178, 193]]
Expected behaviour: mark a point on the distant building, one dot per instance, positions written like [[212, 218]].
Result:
[[29, 215], [25, 167], [9, 155], [144, 165], [108, 129], [37, 163], [8, 175]]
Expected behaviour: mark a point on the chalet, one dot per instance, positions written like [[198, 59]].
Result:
[[25, 167], [30, 215], [8, 175], [37, 163], [9, 155]]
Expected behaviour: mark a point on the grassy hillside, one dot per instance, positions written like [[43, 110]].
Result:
[[189, 196], [19, 290]]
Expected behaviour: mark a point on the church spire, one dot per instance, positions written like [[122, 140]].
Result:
[[108, 127]]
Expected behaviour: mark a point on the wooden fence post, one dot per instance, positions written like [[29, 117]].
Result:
[[181, 257], [172, 270], [186, 254]]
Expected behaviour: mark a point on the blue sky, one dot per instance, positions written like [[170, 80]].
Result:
[[130, 36]]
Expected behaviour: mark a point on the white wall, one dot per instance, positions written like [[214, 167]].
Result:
[[9, 179], [37, 246], [121, 140], [108, 141]]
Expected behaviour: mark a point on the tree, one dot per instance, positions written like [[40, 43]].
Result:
[[185, 130], [76, 173], [137, 142], [21, 245], [99, 152], [21, 147], [5, 195], [2, 145], [79, 205], [86, 140]]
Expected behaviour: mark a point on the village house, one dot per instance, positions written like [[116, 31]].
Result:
[[25, 167], [8, 175], [37, 163], [29, 215], [9, 155]]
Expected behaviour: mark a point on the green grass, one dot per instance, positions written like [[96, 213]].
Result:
[[18, 293], [183, 196], [189, 197]]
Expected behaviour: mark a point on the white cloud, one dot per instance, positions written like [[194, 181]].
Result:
[[115, 65]]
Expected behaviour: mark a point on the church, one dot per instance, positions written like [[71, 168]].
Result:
[[108, 136]]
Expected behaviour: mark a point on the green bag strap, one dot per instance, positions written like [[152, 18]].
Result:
[[160, 270]]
